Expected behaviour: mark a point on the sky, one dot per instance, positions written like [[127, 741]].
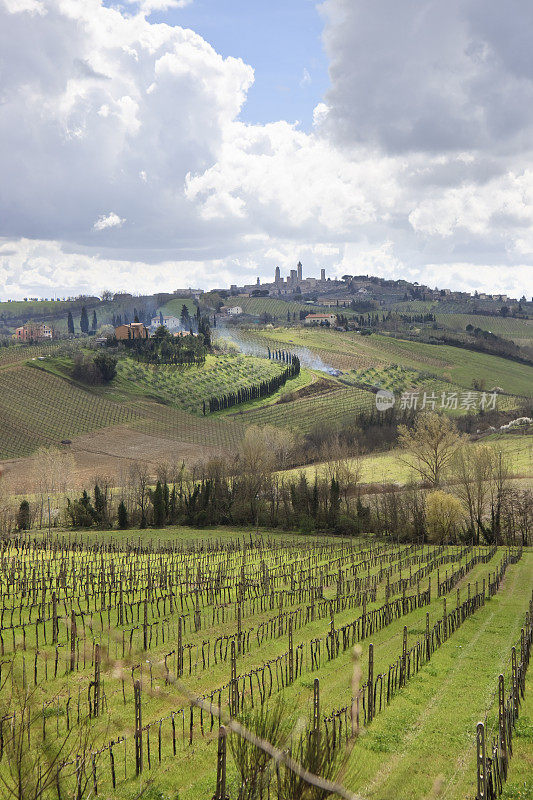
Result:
[[162, 144]]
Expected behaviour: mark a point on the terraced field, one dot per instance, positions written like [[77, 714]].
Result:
[[334, 407]]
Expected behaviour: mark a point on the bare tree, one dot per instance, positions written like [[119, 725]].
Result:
[[473, 467], [139, 484], [430, 445]]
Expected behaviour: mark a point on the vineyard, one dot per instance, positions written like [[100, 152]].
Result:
[[120, 657], [278, 308], [520, 330], [41, 409], [351, 351], [188, 388]]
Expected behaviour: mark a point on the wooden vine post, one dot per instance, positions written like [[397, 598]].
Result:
[[220, 791], [73, 637], [145, 626], [138, 728], [180, 647], [403, 679], [502, 736], [197, 614], [55, 625], [515, 682], [233, 686], [444, 620], [428, 646], [291, 653], [370, 682], [316, 714], [481, 763], [96, 703]]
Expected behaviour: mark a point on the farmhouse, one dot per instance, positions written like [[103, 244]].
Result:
[[231, 310], [321, 319], [170, 322], [131, 330], [34, 332]]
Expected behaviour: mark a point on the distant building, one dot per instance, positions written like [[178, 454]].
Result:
[[170, 322], [321, 319], [231, 310], [131, 330], [34, 332]]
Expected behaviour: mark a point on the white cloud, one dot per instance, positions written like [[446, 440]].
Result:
[[111, 220], [305, 80], [143, 119]]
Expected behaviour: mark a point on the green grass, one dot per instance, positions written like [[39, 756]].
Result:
[[426, 737], [519, 784], [390, 467], [174, 307]]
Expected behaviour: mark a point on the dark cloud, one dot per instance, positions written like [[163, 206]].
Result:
[[428, 75]]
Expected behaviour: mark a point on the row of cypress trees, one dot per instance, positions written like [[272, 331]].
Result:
[[256, 391]]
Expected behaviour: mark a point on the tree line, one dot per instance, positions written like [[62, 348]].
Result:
[[459, 492]]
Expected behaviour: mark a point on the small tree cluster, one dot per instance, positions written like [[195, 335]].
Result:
[[94, 370]]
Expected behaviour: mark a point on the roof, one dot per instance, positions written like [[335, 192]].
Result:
[[319, 316]]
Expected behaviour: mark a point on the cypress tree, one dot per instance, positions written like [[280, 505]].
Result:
[[122, 515], [84, 321], [159, 506], [95, 322], [70, 324], [100, 505]]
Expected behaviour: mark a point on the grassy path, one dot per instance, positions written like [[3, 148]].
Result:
[[423, 744]]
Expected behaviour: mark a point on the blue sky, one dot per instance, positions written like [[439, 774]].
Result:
[[280, 39]]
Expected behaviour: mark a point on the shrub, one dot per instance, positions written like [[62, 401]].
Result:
[[23, 516]]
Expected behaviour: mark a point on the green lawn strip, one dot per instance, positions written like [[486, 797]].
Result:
[[519, 785], [427, 733], [389, 467]]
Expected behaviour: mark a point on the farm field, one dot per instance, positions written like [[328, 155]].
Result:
[[111, 635], [278, 308], [519, 330], [453, 364], [386, 468]]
